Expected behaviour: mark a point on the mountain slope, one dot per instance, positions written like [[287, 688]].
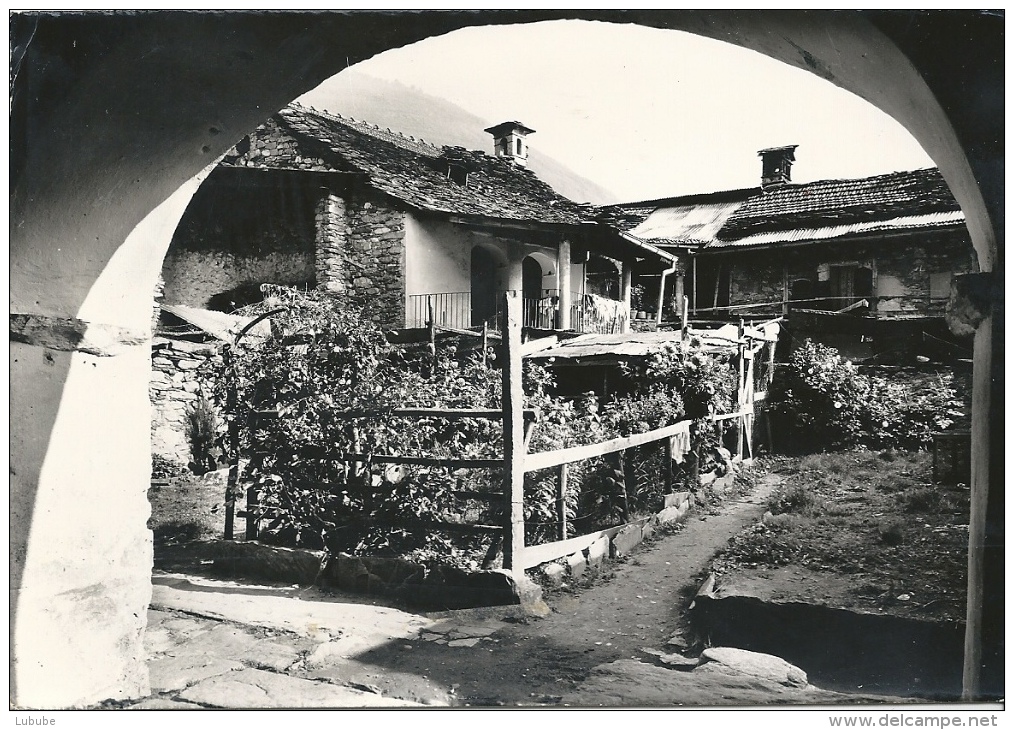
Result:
[[412, 112]]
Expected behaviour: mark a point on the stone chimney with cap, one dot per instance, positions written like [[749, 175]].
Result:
[[509, 141], [776, 166]]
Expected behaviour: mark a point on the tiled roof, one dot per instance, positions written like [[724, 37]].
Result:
[[839, 202], [822, 210], [794, 235], [408, 169]]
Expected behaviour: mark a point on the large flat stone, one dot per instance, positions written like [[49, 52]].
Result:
[[323, 619], [576, 564], [259, 689], [177, 672], [629, 683], [159, 703], [754, 664], [598, 551], [624, 541]]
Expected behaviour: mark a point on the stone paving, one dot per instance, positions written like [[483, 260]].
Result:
[[227, 644]]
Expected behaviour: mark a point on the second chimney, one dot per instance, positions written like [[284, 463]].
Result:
[[509, 141], [776, 166]]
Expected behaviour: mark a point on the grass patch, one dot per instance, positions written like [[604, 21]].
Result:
[[872, 515], [186, 509]]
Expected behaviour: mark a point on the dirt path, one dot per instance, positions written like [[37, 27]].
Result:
[[228, 644], [635, 604]]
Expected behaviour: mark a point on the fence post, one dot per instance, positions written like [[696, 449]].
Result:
[[233, 435], [561, 501], [667, 472], [684, 323], [431, 324], [513, 433]]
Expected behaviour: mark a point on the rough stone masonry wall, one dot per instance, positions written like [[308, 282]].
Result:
[[179, 375], [756, 282], [361, 251]]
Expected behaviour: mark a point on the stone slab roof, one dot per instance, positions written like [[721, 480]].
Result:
[[449, 180]]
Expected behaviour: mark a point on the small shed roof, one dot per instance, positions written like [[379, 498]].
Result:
[[603, 349]]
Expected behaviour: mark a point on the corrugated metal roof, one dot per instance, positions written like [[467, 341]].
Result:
[[929, 220], [685, 223]]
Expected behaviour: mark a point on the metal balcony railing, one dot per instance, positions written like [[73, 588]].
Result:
[[456, 310]]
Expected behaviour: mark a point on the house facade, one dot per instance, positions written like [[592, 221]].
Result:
[[399, 226], [854, 262]]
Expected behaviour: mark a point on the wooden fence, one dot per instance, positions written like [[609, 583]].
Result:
[[518, 423]]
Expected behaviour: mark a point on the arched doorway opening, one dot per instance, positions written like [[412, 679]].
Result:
[[81, 282]]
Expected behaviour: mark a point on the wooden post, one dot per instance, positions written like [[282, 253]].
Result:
[[740, 390], [684, 319], [252, 516], [693, 264], [667, 467], [629, 479], [231, 400], [561, 501], [626, 280], [431, 323], [785, 291], [513, 433], [485, 343]]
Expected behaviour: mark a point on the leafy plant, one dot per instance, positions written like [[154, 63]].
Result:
[[826, 403], [325, 385], [202, 428]]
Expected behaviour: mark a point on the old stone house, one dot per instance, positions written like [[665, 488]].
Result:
[[864, 264], [316, 200], [391, 222]]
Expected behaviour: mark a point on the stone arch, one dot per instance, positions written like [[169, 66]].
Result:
[[91, 217]]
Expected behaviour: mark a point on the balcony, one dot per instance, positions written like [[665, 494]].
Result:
[[588, 313]]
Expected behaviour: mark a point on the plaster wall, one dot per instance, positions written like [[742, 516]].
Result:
[[195, 278]]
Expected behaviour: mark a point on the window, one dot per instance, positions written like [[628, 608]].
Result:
[[519, 147]]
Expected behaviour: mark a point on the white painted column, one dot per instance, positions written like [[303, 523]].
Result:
[[80, 550], [564, 284]]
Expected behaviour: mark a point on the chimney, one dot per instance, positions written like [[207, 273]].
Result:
[[509, 141], [776, 166]]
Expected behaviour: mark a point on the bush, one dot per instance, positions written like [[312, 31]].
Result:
[[826, 403], [331, 381]]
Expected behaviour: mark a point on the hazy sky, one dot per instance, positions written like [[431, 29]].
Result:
[[652, 113]]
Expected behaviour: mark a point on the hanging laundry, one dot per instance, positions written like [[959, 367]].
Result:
[[679, 443]]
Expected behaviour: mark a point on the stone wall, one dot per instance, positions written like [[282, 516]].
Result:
[[242, 229], [179, 375], [361, 251], [905, 269], [759, 282]]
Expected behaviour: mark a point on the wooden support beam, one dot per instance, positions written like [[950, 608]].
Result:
[[513, 434], [431, 324]]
